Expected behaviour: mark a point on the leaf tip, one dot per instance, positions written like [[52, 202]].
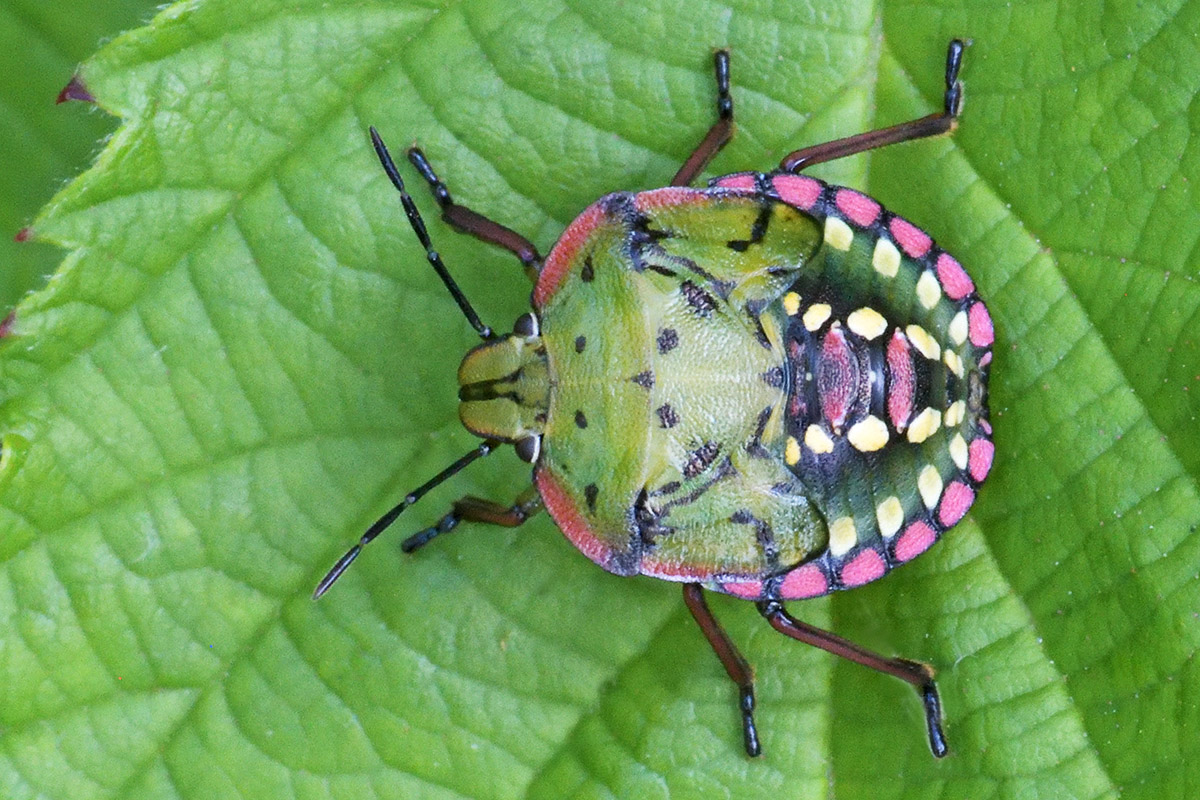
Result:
[[75, 89]]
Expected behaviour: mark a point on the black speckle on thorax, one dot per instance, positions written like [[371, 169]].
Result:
[[668, 340], [668, 417], [702, 303]]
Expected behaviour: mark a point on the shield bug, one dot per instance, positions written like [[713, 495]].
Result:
[[768, 387]]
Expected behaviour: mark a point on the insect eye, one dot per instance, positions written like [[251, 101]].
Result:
[[526, 325], [528, 448]]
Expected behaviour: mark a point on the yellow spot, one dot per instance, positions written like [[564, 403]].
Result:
[[791, 304], [816, 315], [929, 291], [924, 343], [842, 536], [791, 453], [838, 233], [958, 328], [817, 440], [866, 322], [890, 515], [868, 435], [886, 259], [925, 425], [953, 362], [958, 451], [929, 484], [954, 414]]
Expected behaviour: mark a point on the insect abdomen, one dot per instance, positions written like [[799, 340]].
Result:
[[888, 350]]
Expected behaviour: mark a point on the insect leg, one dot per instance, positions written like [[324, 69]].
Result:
[[734, 662], [933, 125], [482, 449], [467, 221], [476, 509], [721, 131], [918, 674]]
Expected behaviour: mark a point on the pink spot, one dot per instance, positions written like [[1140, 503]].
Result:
[[987, 426], [912, 240], [901, 381], [565, 512], [837, 377], [955, 501], [744, 181], [860, 209], [980, 325], [916, 539], [797, 191], [564, 255], [863, 568], [7, 325], [23, 235], [747, 590], [980, 455], [955, 280], [802, 582], [987, 359]]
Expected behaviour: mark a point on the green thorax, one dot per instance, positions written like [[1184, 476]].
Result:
[[666, 371]]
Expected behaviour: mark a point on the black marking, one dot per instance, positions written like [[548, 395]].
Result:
[[580, 420], [588, 273], [773, 377], [701, 459], [493, 389], [646, 251], [668, 340], [799, 400], [757, 231], [722, 288], [647, 526], [754, 312], [670, 487], [754, 446], [540, 417], [667, 416], [723, 471], [644, 379], [701, 301], [580, 343], [976, 393], [763, 533], [590, 492], [643, 241]]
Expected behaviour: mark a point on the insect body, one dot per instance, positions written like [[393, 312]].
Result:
[[769, 387]]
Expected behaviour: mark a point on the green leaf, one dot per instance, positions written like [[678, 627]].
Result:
[[243, 359], [44, 144]]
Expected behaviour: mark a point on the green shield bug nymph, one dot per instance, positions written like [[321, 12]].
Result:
[[768, 387]]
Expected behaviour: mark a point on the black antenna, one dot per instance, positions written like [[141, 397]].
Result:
[[418, 226], [485, 447]]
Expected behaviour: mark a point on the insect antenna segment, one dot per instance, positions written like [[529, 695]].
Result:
[[418, 226], [383, 523]]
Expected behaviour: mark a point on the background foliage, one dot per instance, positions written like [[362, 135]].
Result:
[[243, 359]]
